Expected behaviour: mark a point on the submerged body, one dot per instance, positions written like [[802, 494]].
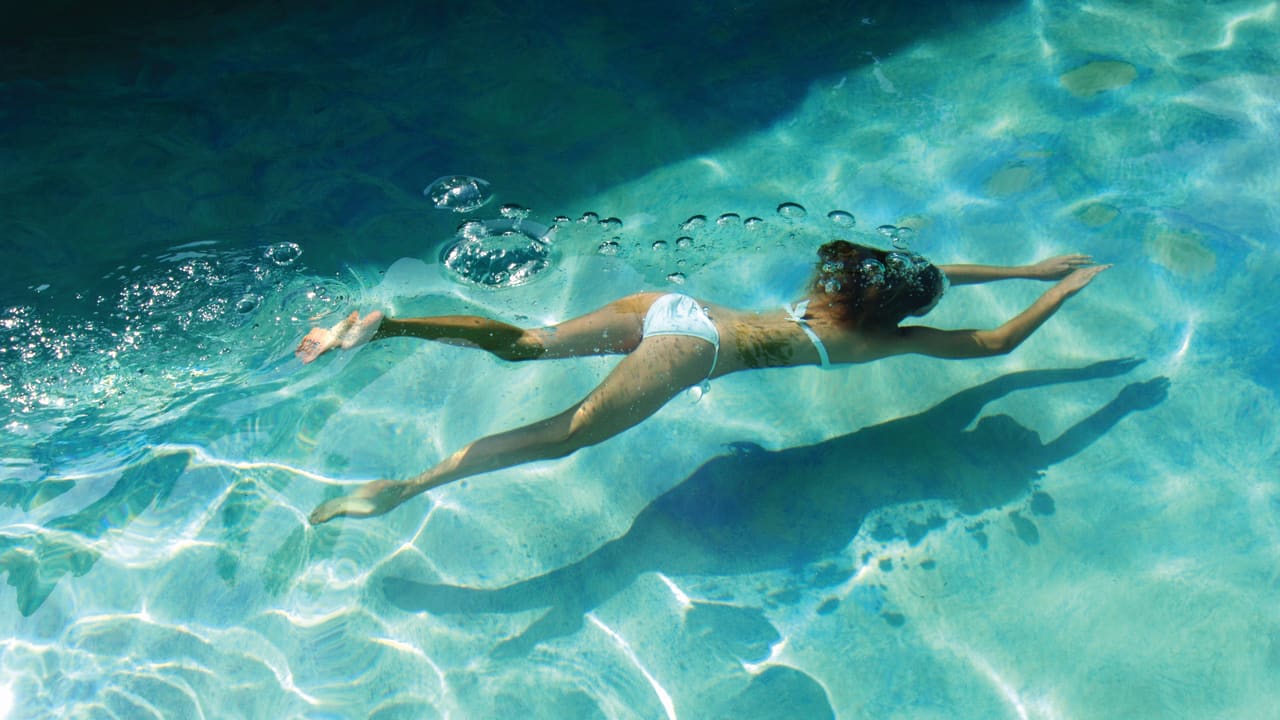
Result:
[[672, 342]]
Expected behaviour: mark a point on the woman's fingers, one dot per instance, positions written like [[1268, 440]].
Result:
[[1058, 267], [1081, 277], [1090, 272]]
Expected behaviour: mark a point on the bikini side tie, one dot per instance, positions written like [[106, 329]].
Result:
[[795, 313]]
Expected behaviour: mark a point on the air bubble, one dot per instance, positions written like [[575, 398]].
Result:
[[513, 212], [313, 299], [248, 304], [693, 223], [499, 253], [609, 247], [459, 193], [472, 230], [754, 223], [612, 223], [841, 218], [660, 245], [793, 211], [874, 271], [561, 220], [887, 230], [684, 242], [589, 218], [897, 263], [902, 239], [284, 254], [728, 219], [676, 277]]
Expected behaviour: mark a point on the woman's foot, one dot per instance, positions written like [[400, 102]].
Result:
[[352, 331], [374, 498]]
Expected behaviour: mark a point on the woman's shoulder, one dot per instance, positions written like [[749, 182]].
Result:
[[863, 344]]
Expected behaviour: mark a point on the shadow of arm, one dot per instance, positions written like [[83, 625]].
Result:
[[960, 409], [1133, 397]]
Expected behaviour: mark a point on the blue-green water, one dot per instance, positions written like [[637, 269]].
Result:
[[1087, 528]]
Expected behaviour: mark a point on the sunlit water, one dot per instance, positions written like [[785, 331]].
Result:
[[1087, 528]]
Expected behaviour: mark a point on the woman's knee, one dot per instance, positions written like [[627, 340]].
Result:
[[563, 436], [591, 424]]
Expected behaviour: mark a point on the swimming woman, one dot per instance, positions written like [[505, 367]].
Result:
[[851, 313]]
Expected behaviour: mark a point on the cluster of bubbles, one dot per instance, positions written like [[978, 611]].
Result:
[[513, 250], [897, 267], [701, 238], [186, 319], [502, 252], [609, 226], [699, 232]]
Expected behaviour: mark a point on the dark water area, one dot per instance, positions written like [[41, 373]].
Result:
[[129, 128]]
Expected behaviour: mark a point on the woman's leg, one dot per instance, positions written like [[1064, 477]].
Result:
[[658, 369], [614, 328]]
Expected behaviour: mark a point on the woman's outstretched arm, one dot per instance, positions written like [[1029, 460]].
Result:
[[985, 343], [1053, 268]]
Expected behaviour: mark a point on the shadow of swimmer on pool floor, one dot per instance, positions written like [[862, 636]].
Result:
[[754, 510]]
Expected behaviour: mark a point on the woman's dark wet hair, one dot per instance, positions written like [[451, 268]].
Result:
[[870, 287]]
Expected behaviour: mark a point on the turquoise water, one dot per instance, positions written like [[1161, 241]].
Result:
[[1087, 528]]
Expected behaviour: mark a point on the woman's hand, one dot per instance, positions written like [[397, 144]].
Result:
[[1078, 278], [1059, 267]]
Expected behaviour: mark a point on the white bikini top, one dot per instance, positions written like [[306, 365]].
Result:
[[795, 313]]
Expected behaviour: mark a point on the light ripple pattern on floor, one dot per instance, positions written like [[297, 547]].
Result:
[[1086, 528]]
